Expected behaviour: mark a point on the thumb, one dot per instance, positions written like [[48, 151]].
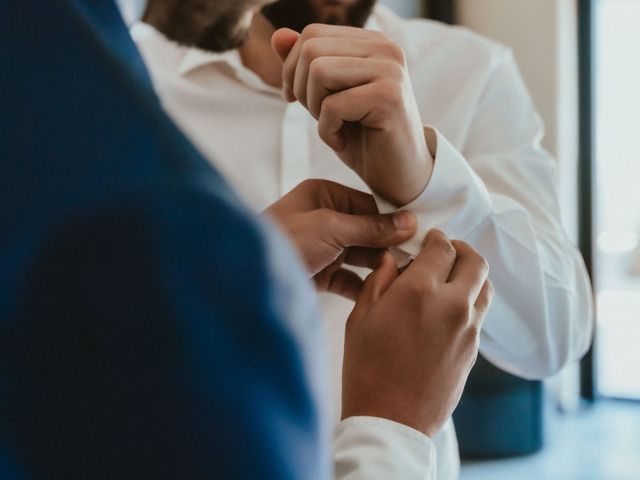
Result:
[[374, 287], [378, 281], [283, 41], [374, 231]]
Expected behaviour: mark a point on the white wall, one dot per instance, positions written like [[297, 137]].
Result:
[[543, 36]]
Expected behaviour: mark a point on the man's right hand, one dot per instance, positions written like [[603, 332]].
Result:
[[413, 337], [332, 225]]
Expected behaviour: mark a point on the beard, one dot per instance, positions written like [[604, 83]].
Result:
[[297, 14], [226, 33], [216, 26]]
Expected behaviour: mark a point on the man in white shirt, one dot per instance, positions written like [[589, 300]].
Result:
[[477, 172], [401, 380]]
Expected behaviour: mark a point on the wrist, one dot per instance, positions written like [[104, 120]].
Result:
[[403, 188], [424, 420]]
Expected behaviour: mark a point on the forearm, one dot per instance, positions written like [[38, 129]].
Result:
[[541, 318]]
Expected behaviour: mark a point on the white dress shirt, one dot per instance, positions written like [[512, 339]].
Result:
[[492, 186]]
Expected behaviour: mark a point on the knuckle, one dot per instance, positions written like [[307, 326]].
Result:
[[378, 35], [391, 93], [395, 71], [379, 226], [325, 217], [490, 291], [438, 241], [309, 50], [473, 331], [393, 51], [329, 106], [417, 300], [472, 338], [484, 264], [312, 30], [486, 297], [318, 69], [424, 290], [460, 311]]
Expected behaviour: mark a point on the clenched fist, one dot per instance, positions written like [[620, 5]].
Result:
[[355, 83]]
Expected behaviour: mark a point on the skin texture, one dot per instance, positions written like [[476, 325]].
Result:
[[332, 225], [412, 338], [356, 84]]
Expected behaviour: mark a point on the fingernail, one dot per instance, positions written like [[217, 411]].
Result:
[[403, 220]]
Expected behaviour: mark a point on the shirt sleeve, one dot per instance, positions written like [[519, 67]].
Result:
[[499, 195], [376, 448]]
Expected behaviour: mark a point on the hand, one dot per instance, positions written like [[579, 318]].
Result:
[[355, 83], [412, 338], [332, 225]]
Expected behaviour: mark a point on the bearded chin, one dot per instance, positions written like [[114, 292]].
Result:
[[223, 35], [297, 14]]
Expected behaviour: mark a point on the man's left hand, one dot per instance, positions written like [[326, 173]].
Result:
[[355, 83]]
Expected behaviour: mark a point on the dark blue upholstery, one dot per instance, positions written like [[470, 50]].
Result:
[[145, 317], [499, 415]]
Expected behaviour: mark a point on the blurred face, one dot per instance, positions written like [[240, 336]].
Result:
[[214, 25], [297, 14]]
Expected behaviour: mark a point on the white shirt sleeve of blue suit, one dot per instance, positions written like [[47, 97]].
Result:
[[374, 448]]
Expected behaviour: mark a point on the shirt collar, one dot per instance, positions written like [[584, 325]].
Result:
[[195, 58]]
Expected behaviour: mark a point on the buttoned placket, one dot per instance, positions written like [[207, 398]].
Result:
[[295, 150], [295, 153]]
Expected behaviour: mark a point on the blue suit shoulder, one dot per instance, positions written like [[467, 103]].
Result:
[[149, 340], [145, 328]]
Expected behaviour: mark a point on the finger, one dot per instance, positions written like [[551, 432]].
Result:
[[328, 194], [360, 104], [470, 270], [328, 30], [485, 297], [316, 31], [282, 41], [345, 283], [378, 282], [329, 75], [363, 257], [436, 260], [285, 41], [318, 48], [376, 231]]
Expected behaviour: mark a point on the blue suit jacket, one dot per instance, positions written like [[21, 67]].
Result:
[[145, 318]]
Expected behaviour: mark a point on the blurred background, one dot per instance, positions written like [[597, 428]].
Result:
[[581, 62]]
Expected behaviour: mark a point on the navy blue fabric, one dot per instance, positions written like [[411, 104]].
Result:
[[143, 333]]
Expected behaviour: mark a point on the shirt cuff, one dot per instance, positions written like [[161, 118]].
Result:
[[371, 447], [455, 200]]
